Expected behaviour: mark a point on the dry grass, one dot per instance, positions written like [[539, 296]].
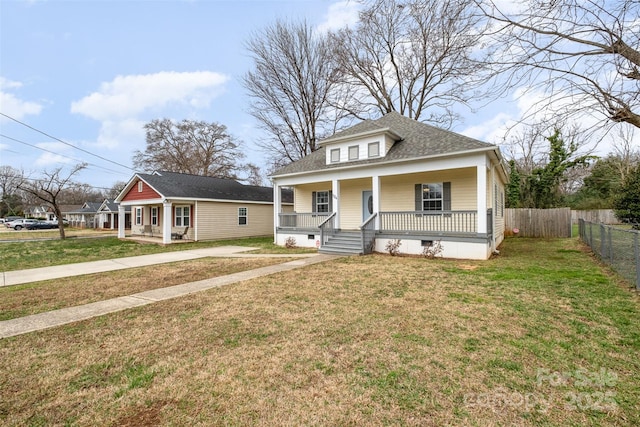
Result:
[[10, 234], [38, 297], [373, 340]]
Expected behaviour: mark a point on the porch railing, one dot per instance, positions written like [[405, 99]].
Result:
[[327, 228], [450, 222], [311, 220], [368, 230]]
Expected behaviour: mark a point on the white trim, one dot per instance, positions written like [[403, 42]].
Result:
[[382, 131], [382, 164], [194, 199], [245, 216]]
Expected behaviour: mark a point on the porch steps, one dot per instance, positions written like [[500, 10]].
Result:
[[343, 243]]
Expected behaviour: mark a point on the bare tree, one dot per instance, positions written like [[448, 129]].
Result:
[[583, 54], [253, 174], [50, 186], [115, 189], [194, 147], [10, 180], [625, 156], [290, 87], [416, 57]]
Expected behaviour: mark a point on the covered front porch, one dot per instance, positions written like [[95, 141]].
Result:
[[362, 214], [163, 222]]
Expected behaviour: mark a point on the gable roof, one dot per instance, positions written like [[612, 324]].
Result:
[[180, 185], [416, 140]]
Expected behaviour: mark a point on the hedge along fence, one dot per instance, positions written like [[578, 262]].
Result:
[[538, 222]]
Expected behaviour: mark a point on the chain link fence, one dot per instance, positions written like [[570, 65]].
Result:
[[616, 246]]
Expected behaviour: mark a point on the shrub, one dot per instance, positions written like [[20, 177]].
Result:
[[393, 247], [433, 250], [290, 242]]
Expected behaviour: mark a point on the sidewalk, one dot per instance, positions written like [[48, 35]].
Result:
[[9, 278], [35, 322]]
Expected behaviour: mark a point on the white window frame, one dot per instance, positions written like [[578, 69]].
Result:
[[431, 186], [324, 203], [138, 216], [154, 215], [371, 145], [355, 148], [243, 213], [335, 155], [179, 220]]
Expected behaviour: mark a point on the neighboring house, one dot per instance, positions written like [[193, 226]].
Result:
[[83, 217], [166, 204], [395, 178], [41, 211], [108, 217], [66, 211]]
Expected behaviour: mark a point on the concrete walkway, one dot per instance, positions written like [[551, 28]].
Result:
[[35, 322], [17, 277]]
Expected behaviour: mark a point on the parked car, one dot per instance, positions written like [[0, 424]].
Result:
[[40, 225], [11, 218], [19, 224]]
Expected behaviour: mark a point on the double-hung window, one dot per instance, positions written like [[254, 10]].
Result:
[[154, 215], [373, 149], [354, 152], [322, 201], [242, 216], [182, 216], [138, 216], [432, 197]]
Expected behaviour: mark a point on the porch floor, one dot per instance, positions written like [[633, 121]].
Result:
[[154, 240]]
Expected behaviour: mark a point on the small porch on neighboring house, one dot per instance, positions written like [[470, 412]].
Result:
[[108, 217], [164, 222]]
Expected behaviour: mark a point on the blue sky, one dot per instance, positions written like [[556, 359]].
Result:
[[92, 73]]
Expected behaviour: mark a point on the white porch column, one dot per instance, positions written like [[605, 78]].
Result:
[[112, 218], [167, 221], [335, 191], [277, 208], [481, 189], [375, 189], [121, 218]]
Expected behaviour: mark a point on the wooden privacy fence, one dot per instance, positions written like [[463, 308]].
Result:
[[538, 222], [604, 216]]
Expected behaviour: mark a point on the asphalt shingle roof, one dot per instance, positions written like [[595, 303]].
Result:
[[418, 140], [180, 185]]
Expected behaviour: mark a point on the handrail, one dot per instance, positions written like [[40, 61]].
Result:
[[368, 234], [324, 228]]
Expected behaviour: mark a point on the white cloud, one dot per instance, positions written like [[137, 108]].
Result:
[[48, 158], [13, 106], [128, 96], [126, 103], [340, 14]]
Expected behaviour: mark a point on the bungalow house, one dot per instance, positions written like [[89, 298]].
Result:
[[395, 178], [41, 211], [83, 216], [173, 206], [107, 216]]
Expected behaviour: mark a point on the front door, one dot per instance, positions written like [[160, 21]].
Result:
[[367, 204]]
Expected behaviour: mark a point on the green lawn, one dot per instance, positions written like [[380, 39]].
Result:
[[539, 335], [32, 254]]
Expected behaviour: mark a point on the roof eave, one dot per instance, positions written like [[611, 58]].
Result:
[[388, 162], [384, 131]]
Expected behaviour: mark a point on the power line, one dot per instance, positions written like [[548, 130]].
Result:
[[57, 154], [66, 143], [24, 178]]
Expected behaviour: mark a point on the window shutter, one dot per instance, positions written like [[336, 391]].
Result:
[[418, 206], [446, 196], [330, 201], [313, 201]]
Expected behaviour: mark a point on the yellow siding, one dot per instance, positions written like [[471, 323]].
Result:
[[351, 202], [398, 192], [302, 195], [218, 220]]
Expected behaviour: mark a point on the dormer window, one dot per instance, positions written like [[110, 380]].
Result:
[[335, 155], [354, 152], [374, 149]]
